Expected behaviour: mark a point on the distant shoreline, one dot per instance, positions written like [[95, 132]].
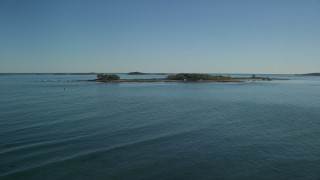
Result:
[[141, 73], [198, 81], [309, 74]]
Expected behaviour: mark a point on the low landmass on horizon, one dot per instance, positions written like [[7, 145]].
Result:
[[183, 77], [310, 74]]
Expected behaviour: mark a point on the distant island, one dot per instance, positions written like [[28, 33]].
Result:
[[137, 73], [91, 73], [310, 74], [141, 73], [182, 77]]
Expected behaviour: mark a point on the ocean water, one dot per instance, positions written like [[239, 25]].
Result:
[[52, 127]]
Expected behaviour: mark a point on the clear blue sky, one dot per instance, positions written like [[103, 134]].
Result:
[[223, 36]]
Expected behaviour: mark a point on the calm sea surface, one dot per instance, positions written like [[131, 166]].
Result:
[[52, 127]]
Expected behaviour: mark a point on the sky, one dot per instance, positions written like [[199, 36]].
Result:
[[209, 36]]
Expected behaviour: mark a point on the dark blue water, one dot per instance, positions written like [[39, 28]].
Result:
[[52, 127]]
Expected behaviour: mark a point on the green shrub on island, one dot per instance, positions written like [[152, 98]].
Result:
[[195, 77], [107, 77]]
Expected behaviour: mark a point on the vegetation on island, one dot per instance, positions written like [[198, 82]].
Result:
[[196, 77], [107, 77]]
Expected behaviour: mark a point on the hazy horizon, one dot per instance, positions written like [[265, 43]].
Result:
[[248, 37]]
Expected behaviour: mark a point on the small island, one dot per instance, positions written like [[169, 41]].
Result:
[[137, 73], [182, 77], [107, 77]]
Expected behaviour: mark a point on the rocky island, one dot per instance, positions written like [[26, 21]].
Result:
[[182, 77]]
